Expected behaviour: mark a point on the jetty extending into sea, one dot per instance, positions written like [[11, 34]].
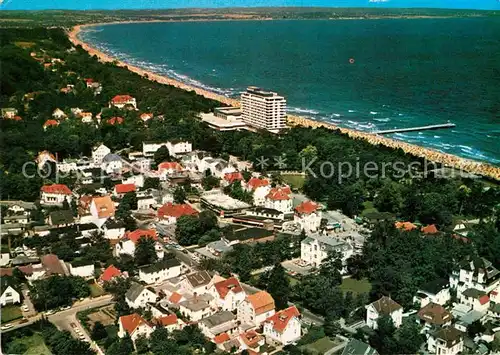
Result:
[[415, 129]]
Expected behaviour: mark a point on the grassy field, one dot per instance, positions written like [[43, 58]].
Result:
[[35, 345], [293, 280], [356, 286], [10, 313], [296, 181], [96, 290], [321, 346]]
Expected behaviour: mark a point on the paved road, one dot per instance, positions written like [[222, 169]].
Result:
[[63, 319]]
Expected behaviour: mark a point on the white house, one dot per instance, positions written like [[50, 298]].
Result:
[[127, 244], [139, 296], [101, 209], [179, 147], [197, 282], [145, 202], [84, 270], [112, 164], [169, 212], [59, 114], [171, 322], [150, 148], [55, 195], [308, 215], [197, 307], [135, 326], [314, 249], [217, 167], [98, 154], [284, 326], [228, 294], [447, 341], [279, 199], [384, 307], [251, 340], [168, 168], [256, 308], [437, 291], [260, 188], [113, 229], [218, 323], [477, 273], [9, 295], [475, 299], [123, 101], [160, 271]]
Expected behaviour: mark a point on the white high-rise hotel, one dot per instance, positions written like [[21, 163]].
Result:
[[263, 109]]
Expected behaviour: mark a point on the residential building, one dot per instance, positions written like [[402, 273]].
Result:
[[167, 169], [405, 226], [82, 269], [251, 341], [45, 157], [308, 215], [135, 326], [109, 274], [146, 116], [279, 199], [197, 307], [139, 296], [198, 282], [160, 271], [315, 248], [9, 295], [218, 323], [121, 189], [50, 123], [228, 294], [59, 114], [112, 164], [477, 273], [437, 291], [263, 109], [476, 299], [86, 117], [169, 212], [113, 229], [98, 154], [171, 322], [260, 188], [230, 178], [217, 167], [55, 195], [356, 347], [256, 308], [434, 315], [61, 218], [385, 306], [123, 101], [284, 326], [447, 341], [9, 113], [101, 209], [176, 148], [113, 121], [127, 244]]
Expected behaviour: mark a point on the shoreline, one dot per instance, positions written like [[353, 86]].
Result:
[[448, 160]]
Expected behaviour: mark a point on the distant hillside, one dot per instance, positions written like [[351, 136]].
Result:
[[71, 18]]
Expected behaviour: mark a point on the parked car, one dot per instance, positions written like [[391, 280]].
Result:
[[65, 308], [25, 308], [6, 326], [50, 312]]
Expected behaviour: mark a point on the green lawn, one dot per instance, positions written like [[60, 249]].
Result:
[[35, 345], [321, 346], [96, 290], [296, 181], [356, 286], [293, 280], [10, 313], [368, 208]]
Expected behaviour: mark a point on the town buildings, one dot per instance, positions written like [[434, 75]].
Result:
[[263, 109], [384, 307]]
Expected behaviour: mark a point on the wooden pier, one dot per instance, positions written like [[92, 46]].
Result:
[[414, 129]]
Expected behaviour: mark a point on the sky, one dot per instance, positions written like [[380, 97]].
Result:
[[158, 4]]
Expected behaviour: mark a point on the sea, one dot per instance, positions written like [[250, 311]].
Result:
[[367, 75]]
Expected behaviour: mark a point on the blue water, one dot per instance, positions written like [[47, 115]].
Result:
[[404, 73]]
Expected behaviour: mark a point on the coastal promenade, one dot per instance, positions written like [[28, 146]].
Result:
[[452, 161]]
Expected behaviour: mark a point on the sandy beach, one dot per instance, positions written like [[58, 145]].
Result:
[[449, 160]]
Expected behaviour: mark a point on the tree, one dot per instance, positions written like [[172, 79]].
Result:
[[208, 220], [142, 344], [160, 342], [383, 337], [123, 346], [98, 331], [145, 252], [408, 337], [278, 285], [209, 182], [161, 155], [187, 230], [179, 195], [152, 183]]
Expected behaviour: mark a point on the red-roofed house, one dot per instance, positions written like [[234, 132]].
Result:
[[430, 229], [176, 298], [86, 117], [146, 116], [55, 195], [168, 168], [229, 178], [308, 215], [256, 308], [284, 326], [279, 199], [127, 244], [251, 340], [228, 294], [134, 325], [123, 101], [101, 209], [50, 123], [169, 212], [171, 322], [122, 189], [406, 226], [260, 188], [110, 273], [478, 300], [221, 338], [115, 120]]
